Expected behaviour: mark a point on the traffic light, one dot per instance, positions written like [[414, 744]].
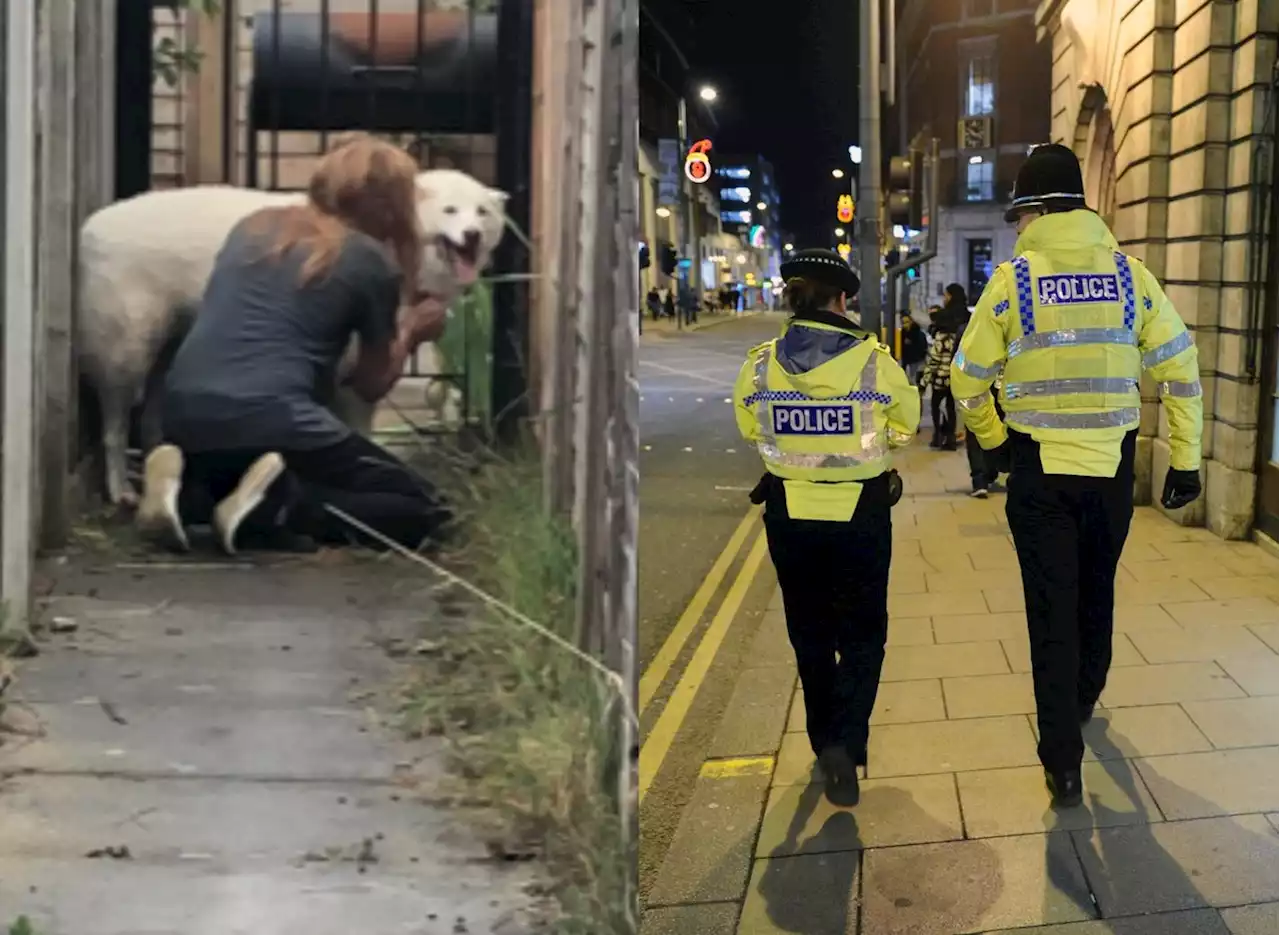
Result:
[[906, 188], [644, 256], [667, 260]]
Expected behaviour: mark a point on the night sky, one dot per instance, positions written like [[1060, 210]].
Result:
[[788, 90]]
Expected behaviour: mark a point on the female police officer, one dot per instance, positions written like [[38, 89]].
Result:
[[824, 404]]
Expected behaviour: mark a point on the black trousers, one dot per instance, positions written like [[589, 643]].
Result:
[[355, 475], [943, 408], [835, 585], [979, 464], [1069, 532]]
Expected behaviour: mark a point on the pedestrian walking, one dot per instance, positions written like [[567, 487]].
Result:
[[915, 348], [984, 473], [824, 404], [1073, 321], [937, 374]]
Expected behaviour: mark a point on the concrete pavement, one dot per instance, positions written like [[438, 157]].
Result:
[[953, 834], [211, 747]]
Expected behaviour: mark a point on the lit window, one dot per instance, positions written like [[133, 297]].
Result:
[[979, 181], [734, 173], [980, 87], [736, 217], [735, 194]]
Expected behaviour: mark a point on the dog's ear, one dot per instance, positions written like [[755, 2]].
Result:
[[499, 196]]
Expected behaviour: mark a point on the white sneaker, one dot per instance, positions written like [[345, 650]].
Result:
[[158, 518], [979, 494], [252, 489]]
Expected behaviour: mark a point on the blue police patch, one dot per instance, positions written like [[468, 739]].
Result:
[[812, 420], [1077, 288]]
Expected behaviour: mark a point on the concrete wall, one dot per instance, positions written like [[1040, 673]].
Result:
[[1169, 93]]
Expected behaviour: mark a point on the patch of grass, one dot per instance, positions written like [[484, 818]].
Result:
[[531, 728], [21, 926]]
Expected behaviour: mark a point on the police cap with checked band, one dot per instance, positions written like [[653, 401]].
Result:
[[823, 266]]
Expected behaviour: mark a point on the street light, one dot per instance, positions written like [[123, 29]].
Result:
[[837, 173], [839, 231], [855, 155], [664, 212], [760, 206], [788, 247], [741, 258], [707, 93]]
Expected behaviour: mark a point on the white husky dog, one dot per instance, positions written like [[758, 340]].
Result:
[[144, 263]]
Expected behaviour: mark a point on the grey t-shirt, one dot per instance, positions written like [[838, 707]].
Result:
[[259, 365]]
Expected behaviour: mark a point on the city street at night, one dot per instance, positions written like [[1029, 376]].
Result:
[[953, 833]]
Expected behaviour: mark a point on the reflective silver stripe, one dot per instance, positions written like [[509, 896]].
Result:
[[1181, 388], [977, 371], [1116, 418], [1070, 337], [971, 403], [1171, 348], [899, 438], [1073, 385], [872, 447]]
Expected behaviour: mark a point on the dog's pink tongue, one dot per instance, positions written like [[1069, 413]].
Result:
[[467, 273]]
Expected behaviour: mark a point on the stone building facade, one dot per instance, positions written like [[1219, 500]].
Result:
[[1164, 103], [972, 75]]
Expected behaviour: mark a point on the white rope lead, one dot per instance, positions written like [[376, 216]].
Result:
[[613, 678]]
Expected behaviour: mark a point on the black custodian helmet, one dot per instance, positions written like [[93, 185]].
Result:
[[1050, 178], [824, 266]]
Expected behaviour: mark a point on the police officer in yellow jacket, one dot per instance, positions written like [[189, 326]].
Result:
[[1073, 322], [824, 404]]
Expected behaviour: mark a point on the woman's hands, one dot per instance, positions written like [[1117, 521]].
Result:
[[422, 321]]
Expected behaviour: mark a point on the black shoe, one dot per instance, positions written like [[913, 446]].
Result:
[[1086, 714], [841, 776], [1065, 788]]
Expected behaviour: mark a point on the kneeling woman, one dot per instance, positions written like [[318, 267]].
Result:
[[824, 404], [250, 440]]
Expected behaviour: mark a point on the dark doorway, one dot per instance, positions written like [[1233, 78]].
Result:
[[979, 266]]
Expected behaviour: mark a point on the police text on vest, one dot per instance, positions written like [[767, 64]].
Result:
[[1078, 288], [825, 419]]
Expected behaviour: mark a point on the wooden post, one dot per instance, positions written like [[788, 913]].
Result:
[[624, 393], [18, 463], [56, 383], [210, 97]]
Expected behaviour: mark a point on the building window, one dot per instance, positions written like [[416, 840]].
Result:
[[980, 85], [979, 179], [734, 173], [735, 194], [736, 217]]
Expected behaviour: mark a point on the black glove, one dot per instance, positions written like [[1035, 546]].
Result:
[[895, 488], [1180, 488], [760, 493]]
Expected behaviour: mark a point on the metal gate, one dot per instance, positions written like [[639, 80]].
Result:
[[423, 73]]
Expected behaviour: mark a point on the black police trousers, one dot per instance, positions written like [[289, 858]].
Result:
[[1069, 532], [835, 584]]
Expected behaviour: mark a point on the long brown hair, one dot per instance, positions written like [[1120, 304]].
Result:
[[364, 184]]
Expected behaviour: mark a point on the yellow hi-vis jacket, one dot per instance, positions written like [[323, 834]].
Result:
[[1073, 322], [824, 405]]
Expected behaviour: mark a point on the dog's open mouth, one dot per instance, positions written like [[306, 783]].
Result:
[[464, 259]]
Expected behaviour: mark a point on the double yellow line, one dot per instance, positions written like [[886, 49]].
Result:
[[658, 744]]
